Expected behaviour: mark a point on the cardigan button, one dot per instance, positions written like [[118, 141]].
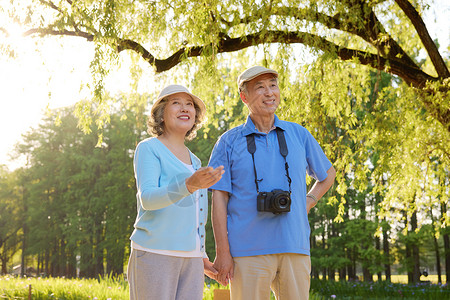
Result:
[[201, 209], [202, 235]]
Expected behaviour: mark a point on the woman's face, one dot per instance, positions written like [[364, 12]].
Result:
[[179, 113]]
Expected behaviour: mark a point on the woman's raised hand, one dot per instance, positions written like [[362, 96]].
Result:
[[203, 178]]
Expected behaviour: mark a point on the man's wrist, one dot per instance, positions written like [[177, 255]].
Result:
[[313, 197]]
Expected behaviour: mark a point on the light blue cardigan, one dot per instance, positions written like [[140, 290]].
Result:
[[166, 211]]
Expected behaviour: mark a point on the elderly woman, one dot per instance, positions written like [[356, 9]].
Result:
[[168, 258]]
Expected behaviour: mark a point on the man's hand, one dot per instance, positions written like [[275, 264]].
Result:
[[203, 178], [310, 203], [224, 264], [320, 188]]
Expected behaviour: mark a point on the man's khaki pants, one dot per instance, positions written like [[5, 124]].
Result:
[[287, 274]]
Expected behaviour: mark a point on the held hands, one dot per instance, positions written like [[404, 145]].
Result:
[[224, 264], [208, 269], [203, 178]]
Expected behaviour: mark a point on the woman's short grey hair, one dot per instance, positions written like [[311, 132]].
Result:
[[156, 121]]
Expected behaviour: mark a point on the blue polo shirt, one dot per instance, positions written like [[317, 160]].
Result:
[[258, 233]]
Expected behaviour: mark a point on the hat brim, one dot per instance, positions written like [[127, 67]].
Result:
[[259, 74], [262, 71], [199, 102]]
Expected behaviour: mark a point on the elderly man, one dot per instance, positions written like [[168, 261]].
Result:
[[261, 205]]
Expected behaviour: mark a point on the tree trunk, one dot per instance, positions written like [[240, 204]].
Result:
[[415, 251], [98, 251], [24, 238], [3, 258], [378, 247], [331, 274], [324, 269], [447, 256], [446, 238], [438, 259], [4, 261], [342, 273], [314, 271], [387, 257], [408, 252], [436, 247], [46, 261], [408, 256], [352, 267], [367, 275]]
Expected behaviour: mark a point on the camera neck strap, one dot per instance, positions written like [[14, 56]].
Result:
[[251, 147]]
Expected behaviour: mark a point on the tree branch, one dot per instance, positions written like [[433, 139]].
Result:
[[45, 31], [410, 73], [370, 31], [428, 43], [4, 31], [51, 5]]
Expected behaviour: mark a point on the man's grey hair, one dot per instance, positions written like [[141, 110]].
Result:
[[243, 88]]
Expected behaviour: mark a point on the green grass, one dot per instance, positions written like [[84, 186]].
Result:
[[379, 290], [67, 289], [109, 288], [60, 288]]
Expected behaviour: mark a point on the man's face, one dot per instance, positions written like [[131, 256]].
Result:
[[262, 96]]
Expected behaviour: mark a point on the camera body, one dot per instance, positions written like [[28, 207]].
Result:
[[276, 201]]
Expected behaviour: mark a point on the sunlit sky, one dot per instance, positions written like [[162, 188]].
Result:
[[51, 77]]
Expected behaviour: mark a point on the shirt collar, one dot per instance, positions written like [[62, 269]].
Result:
[[250, 128]]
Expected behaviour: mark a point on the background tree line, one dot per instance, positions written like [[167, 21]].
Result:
[[372, 87], [73, 205]]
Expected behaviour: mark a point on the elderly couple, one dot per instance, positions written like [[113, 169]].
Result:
[[260, 204]]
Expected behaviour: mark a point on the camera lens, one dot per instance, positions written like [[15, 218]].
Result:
[[283, 201]]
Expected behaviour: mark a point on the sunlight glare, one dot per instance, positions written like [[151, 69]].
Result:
[[14, 34]]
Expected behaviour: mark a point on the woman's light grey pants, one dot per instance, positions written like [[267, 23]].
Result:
[[163, 277]]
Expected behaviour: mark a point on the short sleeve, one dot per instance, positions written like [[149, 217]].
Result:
[[318, 163]]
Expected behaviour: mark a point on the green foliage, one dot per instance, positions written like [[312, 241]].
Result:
[[117, 288], [11, 196], [387, 136], [60, 288], [378, 290], [83, 195], [103, 288]]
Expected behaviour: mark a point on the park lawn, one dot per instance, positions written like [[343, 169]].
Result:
[[404, 278], [71, 289], [108, 288], [61, 288]]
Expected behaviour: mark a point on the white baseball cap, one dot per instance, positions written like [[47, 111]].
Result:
[[252, 73]]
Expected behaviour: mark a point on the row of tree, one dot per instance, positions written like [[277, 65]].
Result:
[[72, 206], [370, 85]]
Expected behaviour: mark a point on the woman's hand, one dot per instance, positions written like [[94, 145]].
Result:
[[203, 178], [208, 269], [225, 266]]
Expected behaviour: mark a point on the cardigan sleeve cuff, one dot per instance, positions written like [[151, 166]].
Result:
[[177, 190]]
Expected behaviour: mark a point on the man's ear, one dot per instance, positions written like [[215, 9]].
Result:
[[242, 95]]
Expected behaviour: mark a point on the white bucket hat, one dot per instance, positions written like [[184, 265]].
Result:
[[176, 88], [252, 73]]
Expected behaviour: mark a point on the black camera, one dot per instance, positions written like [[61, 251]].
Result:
[[276, 201]]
